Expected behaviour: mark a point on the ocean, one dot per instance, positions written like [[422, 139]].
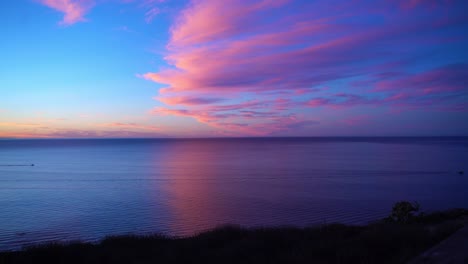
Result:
[[86, 189]]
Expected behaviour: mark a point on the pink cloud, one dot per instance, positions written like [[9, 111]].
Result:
[[217, 47], [187, 100], [436, 89], [248, 118], [58, 127], [77, 133], [19, 125], [22, 135], [74, 10], [217, 120], [240, 50], [123, 131], [317, 102], [206, 21]]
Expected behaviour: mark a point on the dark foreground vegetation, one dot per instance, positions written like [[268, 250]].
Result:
[[396, 239]]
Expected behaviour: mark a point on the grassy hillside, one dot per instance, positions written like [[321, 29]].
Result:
[[387, 241]]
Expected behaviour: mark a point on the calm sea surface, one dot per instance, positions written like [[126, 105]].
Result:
[[88, 189]]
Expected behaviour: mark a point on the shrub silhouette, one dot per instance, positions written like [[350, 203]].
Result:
[[385, 242], [403, 211]]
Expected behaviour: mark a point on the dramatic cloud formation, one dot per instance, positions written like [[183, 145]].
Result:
[[74, 10], [234, 68], [257, 66]]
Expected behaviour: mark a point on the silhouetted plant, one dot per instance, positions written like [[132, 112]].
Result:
[[403, 211], [381, 242]]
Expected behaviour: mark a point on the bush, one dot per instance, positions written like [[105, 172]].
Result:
[[403, 211]]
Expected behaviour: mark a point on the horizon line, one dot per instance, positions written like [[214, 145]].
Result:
[[235, 137]]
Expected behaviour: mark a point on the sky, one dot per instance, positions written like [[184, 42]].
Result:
[[233, 68]]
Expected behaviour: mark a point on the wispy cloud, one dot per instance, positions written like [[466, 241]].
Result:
[[357, 120], [410, 4], [18, 124], [80, 133], [151, 14], [74, 10], [131, 126], [111, 130], [125, 29], [152, 8]]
